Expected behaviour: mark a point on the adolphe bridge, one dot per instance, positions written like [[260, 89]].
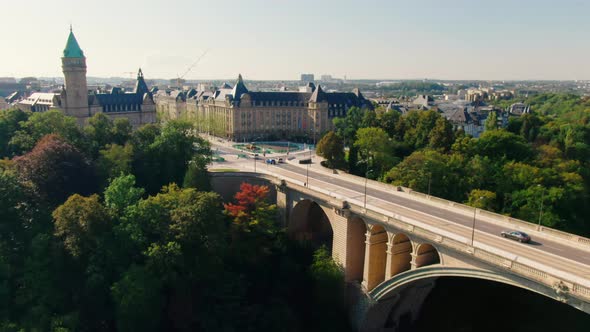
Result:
[[393, 243]]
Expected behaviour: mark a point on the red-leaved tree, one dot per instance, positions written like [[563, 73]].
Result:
[[252, 210]]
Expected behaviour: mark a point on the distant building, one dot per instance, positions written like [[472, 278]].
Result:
[[309, 88], [467, 120], [306, 78], [75, 100], [8, 80], [239, 114], [423, 101], [518, 109]]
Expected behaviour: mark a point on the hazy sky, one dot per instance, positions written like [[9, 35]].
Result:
[[280, 39]]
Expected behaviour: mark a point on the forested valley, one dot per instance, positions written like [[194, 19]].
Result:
[[107, 229]]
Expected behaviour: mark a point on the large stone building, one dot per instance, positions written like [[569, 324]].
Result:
[[75, 100], [238, 114]]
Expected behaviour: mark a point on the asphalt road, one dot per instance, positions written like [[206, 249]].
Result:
[[542, 250]]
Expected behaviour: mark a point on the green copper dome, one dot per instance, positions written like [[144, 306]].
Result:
[[72, 49]]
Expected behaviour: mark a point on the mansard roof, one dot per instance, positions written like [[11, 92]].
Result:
[[72, 49], [279, 96], [119, 97]]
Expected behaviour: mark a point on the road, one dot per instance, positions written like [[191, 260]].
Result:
[[549, 252]]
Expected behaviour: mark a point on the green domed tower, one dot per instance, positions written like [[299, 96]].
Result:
[[73, 62]]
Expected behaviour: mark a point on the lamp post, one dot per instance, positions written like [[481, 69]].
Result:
[[473, 227], [307, 170], [429, 180], [366, 180], [541, 209]]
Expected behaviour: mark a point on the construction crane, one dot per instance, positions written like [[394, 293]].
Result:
[[193, 65]]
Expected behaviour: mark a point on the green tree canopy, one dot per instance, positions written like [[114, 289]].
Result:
[[331, 147]]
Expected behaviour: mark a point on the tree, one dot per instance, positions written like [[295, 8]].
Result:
[[375, 147], [138, 295], [162, 157], [9, 124], [45, 123], [252, 211], [122, 193], [122, 131], [499, 143], [389, 122], [113, 161], [444, 174], [482, 199], [80, 222], [196, 175], [331, 147], [56, 169], [99, 130], [441, 137], [492, 121], [346, 128]]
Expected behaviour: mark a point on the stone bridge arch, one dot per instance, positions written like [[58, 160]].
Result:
[[426, 254], [309, 223], [400, 298], [399, 255]]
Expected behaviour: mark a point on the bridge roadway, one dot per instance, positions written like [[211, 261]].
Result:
[[548, 252]]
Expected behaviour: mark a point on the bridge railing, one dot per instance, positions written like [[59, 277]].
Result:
[[532, 270], [573, 240], [509, 222]]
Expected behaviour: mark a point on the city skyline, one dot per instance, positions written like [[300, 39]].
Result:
[[532, 40]]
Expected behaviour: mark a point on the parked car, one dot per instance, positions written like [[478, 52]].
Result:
[[281, 160], [271, 161], [517, 236], [305, 161]]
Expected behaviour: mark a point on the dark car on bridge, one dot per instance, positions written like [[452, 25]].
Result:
[[517, 236]]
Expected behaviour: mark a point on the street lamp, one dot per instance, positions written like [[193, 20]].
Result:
[[541, 209], [473, 227], [427, 164], [307, 170], [366, 180]]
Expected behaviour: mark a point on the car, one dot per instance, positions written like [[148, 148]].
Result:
[[517, 236], [271, 161], [281, 160]]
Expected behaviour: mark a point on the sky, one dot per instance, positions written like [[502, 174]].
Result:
[[281, 39]]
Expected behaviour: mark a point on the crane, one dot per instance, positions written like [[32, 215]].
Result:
[[180, 77]]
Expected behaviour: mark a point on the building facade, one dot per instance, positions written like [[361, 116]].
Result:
[[75, 100], [241, 115]]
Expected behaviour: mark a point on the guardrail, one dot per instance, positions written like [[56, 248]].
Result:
[[576, 285]]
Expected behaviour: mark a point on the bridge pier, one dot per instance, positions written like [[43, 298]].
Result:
[[375, 257]]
